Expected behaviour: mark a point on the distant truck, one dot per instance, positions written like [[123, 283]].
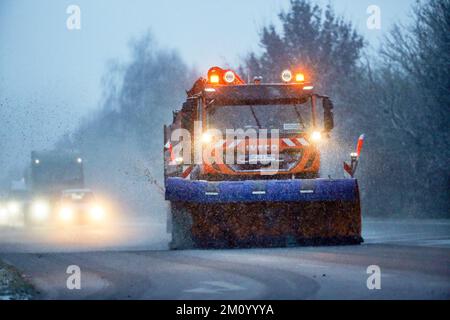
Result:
[[49, 174], [54, 171], [52, 191]]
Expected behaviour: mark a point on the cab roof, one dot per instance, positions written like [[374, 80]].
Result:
[[257, 94]]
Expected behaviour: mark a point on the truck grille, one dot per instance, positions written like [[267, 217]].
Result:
[[286, 161]]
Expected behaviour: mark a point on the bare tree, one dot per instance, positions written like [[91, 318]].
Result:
[[419, 55]]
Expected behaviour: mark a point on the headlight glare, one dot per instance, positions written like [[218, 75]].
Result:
[[206, 137], [97, 212], [66, 213], [40, 210], [13, 207], [316, 136]]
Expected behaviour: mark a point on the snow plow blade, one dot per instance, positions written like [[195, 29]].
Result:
[[263, 213]]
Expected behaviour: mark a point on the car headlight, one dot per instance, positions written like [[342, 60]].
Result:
[[66, 213], [40, 210], [97, 212], [13, 207], [3, 213]]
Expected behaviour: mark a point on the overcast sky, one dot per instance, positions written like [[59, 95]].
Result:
[[50, 76]]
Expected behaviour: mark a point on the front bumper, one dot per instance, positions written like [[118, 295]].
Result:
[[295, 190]]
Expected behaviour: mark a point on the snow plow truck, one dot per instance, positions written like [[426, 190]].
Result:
[[242, 163]]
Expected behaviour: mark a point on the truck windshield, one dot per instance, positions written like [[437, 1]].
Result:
[[49, 173], [284, 117]]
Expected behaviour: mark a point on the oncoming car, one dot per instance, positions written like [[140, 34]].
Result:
[[12, 209], [79, 206]]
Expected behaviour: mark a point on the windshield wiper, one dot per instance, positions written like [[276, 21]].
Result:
[[299, 117], [256, 118]]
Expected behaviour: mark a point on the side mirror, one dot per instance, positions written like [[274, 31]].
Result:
[[175, 115], [328, 119], [187, 113]]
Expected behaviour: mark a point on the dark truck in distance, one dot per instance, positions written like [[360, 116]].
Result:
[[49, 174]]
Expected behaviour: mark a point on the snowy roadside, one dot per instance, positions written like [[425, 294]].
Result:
[[12, 284]]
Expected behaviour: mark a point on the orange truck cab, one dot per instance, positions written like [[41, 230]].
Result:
[[287, 113]]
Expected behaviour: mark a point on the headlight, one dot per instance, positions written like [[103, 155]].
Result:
[[316, 136], [206, 137], [13, 207], [179, 160], [229, 76], [40, 210], [3, 213], [97, 212], [286, 75], [66, 213]]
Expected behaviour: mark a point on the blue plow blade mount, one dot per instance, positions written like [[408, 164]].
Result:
[[296, 190]]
